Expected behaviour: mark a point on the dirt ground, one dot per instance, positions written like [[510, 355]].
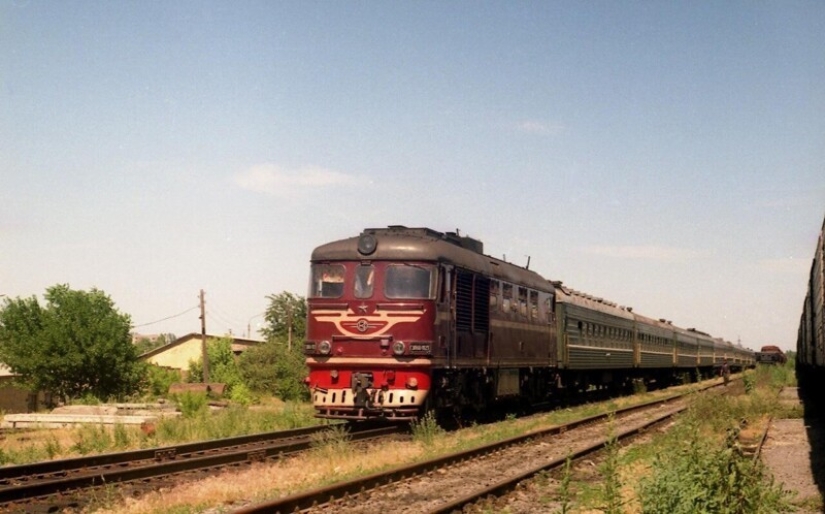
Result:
[[793, 453]]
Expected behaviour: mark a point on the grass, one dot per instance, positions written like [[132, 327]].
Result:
[[199, 424], [696, 466], [612, 486]]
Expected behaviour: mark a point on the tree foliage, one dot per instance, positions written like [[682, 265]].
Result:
[[145, 344], [77, 344], [278, 366], [286, 318], [274, 368], [223, 367]]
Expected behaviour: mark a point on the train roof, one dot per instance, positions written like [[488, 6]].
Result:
[[573, 297], [400, 243]]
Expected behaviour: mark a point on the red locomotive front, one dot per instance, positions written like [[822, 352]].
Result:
[[370, 332]]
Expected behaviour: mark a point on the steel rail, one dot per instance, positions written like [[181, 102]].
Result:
[[308, 499], [509, 484], [16, 494], [11, 473]]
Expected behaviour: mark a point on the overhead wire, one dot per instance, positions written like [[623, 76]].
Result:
[[196, 307]]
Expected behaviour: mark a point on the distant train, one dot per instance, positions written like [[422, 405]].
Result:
[[770, 355], [810, 343], [403, 320]]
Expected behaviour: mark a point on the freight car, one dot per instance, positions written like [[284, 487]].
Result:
[[810, 343], [770, 355], [403, 320]]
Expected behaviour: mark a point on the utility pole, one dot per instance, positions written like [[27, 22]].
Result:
[[289, 333], [204, 355]]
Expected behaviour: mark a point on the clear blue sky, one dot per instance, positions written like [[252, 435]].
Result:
[[669, 156]]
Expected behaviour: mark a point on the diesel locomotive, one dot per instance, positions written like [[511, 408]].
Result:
[[404, 320], [810, 343]]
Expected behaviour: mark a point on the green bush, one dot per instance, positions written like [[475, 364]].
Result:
[[426, 429], [241, 395], [223, 368], [191, 404], [158, 380], [699, 475], [274, 368]]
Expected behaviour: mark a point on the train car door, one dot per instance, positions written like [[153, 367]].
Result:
[[445, 321]]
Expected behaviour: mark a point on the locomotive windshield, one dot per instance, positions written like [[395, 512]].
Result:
[[408, 281], [327, 281], [364, 279], [400, 281]]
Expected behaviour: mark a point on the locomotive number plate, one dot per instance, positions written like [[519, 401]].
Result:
[[420, 348]]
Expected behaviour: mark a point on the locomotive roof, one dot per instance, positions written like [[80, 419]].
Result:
[[399, 243]]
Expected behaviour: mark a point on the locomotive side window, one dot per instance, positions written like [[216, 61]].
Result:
[[493, 294], [364, 280], [507, 297], [408, 281]]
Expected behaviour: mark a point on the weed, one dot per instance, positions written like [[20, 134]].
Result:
[[695, 472], [749, 382], [192, 405], [564, 488], [609, 469], [332, 444], [53, 448], [121, 436], [92, 439], [426, 429]]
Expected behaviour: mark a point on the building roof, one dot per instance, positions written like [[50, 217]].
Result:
[[239, 344]]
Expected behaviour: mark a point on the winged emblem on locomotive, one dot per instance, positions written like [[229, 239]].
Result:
[[361, 326]]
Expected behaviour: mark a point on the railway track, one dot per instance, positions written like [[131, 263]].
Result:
[[52, 486], [450, 483]]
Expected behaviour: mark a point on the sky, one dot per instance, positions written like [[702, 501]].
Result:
[[668, 156]]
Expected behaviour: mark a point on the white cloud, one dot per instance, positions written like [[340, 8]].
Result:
[[539, 128], [275, 180], [646, 252]]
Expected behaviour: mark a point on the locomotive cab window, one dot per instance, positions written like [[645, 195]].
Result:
[[408, 281], [327, 281], [364, 280]]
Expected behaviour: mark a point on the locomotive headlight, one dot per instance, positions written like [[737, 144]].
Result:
[[366, 244], [333, 374], [324, 347], [398, 347], [412, 383]]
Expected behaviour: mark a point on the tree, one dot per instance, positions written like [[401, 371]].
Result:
[[145, 344], [75, 345], [286, 317], [274, 368], [278, 365]]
